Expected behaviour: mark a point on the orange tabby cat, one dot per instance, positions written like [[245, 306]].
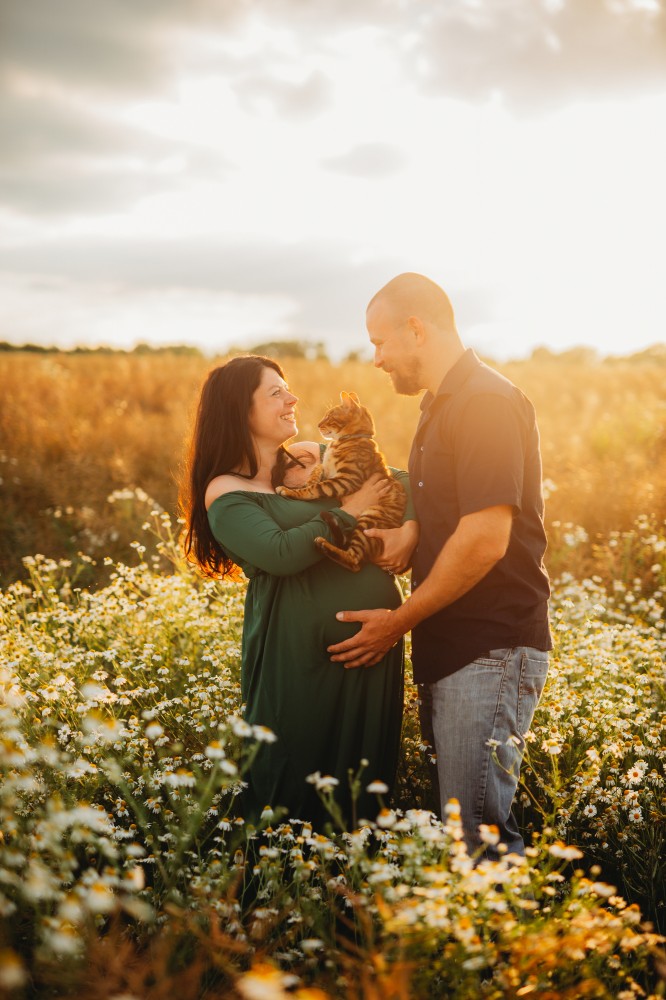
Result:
[[350, 458]]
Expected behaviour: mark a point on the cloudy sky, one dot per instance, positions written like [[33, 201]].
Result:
[[221, 172]]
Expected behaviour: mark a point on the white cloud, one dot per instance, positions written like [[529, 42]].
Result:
[[171, 170], [368, 160], [541, 55], [294, 99]]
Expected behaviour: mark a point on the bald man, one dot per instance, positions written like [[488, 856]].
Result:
[[478, 610]]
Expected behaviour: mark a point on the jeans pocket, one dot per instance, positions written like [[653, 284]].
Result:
[[494, 658], [533, 673]]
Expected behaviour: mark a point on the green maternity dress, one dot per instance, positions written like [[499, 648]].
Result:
[[326, 718]]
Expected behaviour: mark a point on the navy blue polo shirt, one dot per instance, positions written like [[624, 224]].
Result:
[[477, 446]]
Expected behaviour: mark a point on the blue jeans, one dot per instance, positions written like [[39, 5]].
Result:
[[491, 699]]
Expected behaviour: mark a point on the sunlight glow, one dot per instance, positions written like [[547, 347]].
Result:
[[544, 227]]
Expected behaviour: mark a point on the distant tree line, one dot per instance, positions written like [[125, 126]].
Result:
[[584, 356], [316, 351], [312, 350], [183, 349]]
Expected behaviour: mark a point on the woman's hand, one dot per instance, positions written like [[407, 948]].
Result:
[[368, 495], [399, 543]]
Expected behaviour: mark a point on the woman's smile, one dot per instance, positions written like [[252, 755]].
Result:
[[268, 408]]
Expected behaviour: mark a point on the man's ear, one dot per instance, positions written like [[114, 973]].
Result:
[[417, 329]]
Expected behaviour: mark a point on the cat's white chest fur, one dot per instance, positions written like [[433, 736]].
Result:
[[328, 464]]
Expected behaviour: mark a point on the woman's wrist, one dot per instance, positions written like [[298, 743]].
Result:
[[345, 515], [352, 507], [411, 530]]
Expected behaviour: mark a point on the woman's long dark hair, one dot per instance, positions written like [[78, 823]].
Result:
[[222, 442]]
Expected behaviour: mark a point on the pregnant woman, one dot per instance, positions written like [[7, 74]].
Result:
[[326, 718]]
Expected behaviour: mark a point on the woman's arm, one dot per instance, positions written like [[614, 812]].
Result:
[[247, 531], [403, 479]]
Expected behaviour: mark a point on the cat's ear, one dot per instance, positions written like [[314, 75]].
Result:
[[346, 399], [354, 398]]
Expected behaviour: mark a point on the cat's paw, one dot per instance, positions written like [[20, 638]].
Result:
[[325, 546], [339, 556], [284, 491], [337, 533]]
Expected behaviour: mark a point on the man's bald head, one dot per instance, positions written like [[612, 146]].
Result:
[[412, 328], [412, 294]]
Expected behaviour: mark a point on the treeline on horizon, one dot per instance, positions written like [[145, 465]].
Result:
[[316, 351]]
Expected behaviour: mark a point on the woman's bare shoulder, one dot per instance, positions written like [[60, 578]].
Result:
[[221, 485]]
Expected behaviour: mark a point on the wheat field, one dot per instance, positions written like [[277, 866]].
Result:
[[75, 428]]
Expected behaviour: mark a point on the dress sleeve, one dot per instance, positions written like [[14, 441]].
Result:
[[246, 530], [403, 478]]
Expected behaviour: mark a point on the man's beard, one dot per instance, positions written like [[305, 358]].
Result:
[[409, 381]]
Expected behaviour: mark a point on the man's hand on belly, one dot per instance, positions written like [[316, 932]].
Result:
[[377, 635]]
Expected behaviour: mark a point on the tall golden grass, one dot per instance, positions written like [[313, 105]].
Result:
[[74, 428]]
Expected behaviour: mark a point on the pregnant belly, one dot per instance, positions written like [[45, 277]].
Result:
[[335, 589]]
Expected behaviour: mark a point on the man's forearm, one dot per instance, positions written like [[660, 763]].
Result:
[[469, 554], [479, 541]]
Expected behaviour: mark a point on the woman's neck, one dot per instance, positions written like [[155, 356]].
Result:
[[266, 458]]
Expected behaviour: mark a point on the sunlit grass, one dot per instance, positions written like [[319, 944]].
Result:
[[76, 429]]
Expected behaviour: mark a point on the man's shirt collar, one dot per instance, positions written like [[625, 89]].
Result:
[[455, 378]]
